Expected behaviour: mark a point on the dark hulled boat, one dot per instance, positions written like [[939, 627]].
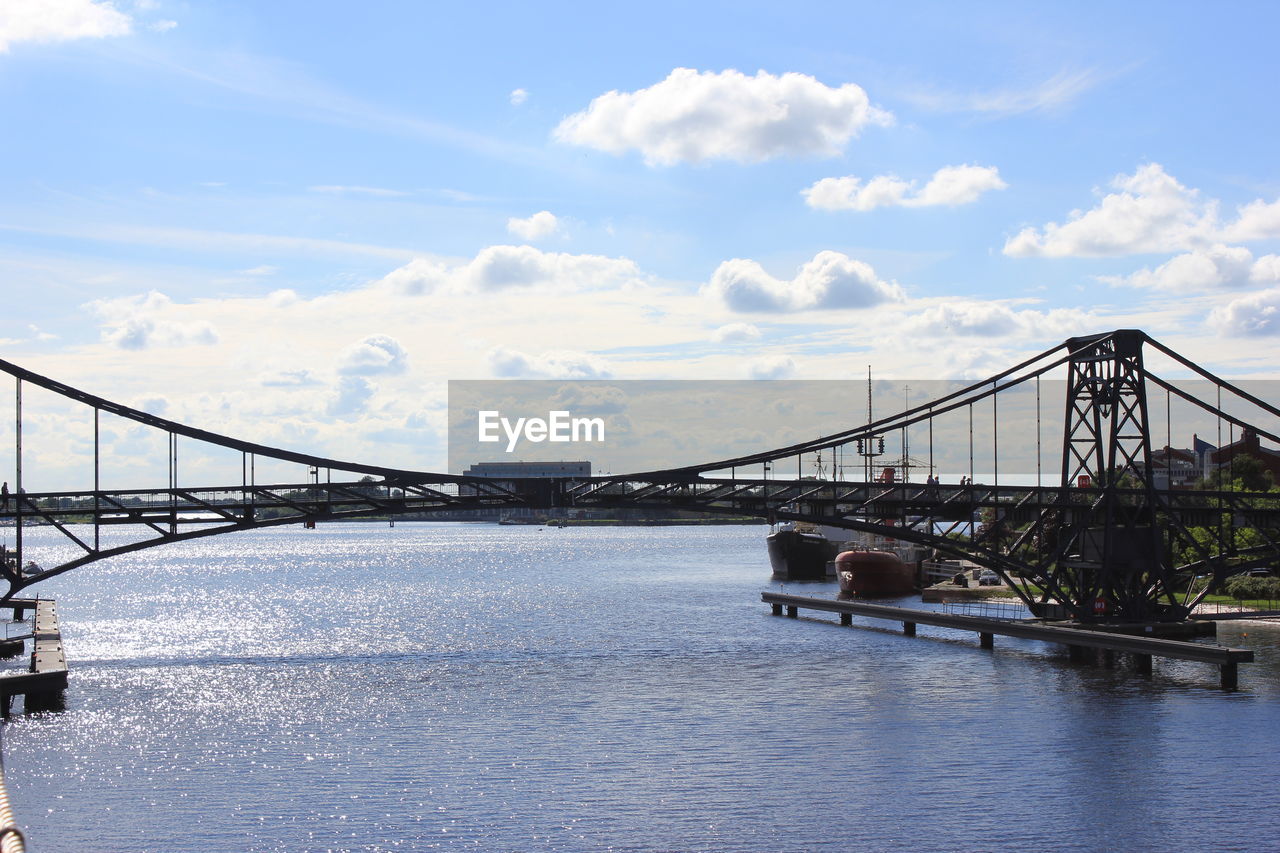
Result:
[[800, 552]]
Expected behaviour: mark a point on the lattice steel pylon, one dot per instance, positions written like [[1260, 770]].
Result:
[[1112, 558]]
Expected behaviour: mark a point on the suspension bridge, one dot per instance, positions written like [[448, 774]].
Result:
[[1108, 539]]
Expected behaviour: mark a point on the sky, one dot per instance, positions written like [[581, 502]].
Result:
[[295, 222]]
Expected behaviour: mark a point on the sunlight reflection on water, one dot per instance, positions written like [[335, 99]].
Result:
[[443, 686]]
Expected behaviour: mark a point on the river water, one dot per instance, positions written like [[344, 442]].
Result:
[[448, 686]]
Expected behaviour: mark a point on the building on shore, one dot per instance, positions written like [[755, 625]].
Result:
[[1185, 467], [506, 473]]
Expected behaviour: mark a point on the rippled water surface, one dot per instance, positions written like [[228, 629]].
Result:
[[437, 686]]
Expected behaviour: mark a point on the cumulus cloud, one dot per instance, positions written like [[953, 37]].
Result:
[[559, 364], [693, 116], [1149, 212], [1255, 316], [973, 318], [283, 297], [1216, 268], [376, 354], [771, 367], [59, 20], [352, 393], [144, 321], [830, 280], [1256, 220], [501, 267], [950, 186], [541, 224], [735, 333], [421, 275], [518, 97]]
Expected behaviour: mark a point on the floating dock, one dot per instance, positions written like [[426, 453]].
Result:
[[1142, 648], [45, 681]]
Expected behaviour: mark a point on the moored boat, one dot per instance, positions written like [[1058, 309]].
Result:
[[800, 552], [873, 574]]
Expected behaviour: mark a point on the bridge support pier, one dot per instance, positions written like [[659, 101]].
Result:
[[777, 609], [846, 618], [793, 612], [11, 648], [1142, 663], [986, 641], [909, 629], [1229, 679], [1076, 654]]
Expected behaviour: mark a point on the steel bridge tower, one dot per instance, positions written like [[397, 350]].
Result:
[[1112, 554]]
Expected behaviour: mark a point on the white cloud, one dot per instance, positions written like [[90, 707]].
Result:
[[541, 224], [58, 20], [1150, 212], [1256, 315], [1257, 220], [518, 97], [830, 280], [162, 26], [502, 267], [265, 269], [301, 378], [352, 394], [558, 364], [950, 185], [1216, 268], [376, 354], [144, 321], [771, 367], [973, 318], [421, 275], [735, 333], [693, 116]]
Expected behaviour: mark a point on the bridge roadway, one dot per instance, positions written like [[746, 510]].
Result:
[[922, 513]]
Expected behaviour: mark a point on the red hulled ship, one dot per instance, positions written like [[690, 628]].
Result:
[[873, 574]]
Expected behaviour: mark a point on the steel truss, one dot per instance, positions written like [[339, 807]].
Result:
[[1100, 544]]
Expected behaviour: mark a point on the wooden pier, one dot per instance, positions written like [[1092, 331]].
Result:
[[45, 680], [1142, 648]]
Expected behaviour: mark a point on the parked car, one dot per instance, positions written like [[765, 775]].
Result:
[[988, 578]]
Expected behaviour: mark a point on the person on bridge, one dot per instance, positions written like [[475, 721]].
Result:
[[4, 496]]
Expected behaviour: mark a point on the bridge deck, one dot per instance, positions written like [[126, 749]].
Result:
[[1143, 648]]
